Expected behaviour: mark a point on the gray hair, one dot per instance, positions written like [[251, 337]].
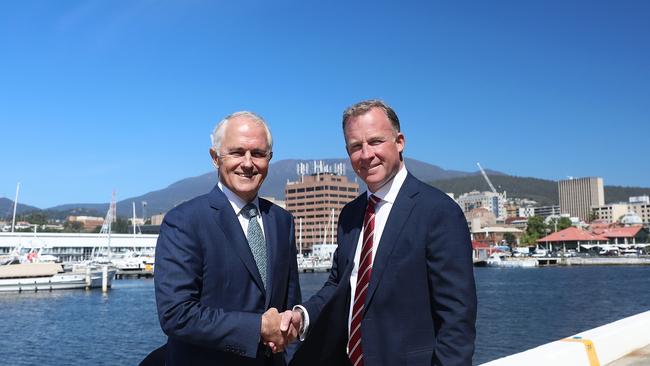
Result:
[[365, 106], [217, 134]]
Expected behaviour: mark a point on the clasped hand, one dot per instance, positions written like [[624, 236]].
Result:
[[280, 329]]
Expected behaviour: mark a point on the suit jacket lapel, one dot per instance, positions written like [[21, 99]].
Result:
[[397, 219], [352, 238], [226, 219], [270, 235]]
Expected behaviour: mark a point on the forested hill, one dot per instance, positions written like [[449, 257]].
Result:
[[543, 191]]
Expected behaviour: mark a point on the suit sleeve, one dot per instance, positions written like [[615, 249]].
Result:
[[452, 287], [178, 283], [294, 296]]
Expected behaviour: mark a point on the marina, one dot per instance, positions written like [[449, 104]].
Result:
[[519, 309]]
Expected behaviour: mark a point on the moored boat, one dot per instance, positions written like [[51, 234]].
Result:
[[47, 277]]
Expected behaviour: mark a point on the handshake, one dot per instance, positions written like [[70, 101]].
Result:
[[280, 329]]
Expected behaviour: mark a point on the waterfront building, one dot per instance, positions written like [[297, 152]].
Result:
[[526, 211], [512, 210], [622, 234], [69, 247], [89, 223], [316, 201], [578, 195], [542, 211], [572, 238], [157, 219], [495, 234], [495, 202], [617, 212], [480, 217], [518, 222], [546, 211]]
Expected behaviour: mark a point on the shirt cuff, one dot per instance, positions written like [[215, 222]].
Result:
[[302, 333]]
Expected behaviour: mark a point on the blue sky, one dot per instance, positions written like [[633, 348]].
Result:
[[103, 95]]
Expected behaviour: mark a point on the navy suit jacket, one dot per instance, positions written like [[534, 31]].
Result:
[[420, 308], [209, 292]]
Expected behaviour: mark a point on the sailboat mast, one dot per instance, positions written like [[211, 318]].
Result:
[[133, 202], [332, 226], [13, 221], [300, 236]]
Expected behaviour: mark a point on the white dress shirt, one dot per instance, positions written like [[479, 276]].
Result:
[[387, 193], [238, 204]]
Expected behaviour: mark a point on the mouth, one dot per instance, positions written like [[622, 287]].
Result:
[[371, 169], [246, 175]]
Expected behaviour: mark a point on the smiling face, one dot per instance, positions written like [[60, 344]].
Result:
[[373, 147], [243, 158]]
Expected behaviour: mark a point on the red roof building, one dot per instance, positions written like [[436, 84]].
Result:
[[571, 238], [626, 235]]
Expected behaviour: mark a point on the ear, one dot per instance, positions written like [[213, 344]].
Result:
[[400, 141], [215, 158]]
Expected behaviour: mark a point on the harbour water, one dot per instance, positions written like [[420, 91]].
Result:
[[518, 309]]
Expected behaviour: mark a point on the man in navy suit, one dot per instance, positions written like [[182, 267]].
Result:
[[401, 290], [226, 261]]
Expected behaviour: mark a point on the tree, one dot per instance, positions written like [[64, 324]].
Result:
[[564, 223], [534, 230], [36, 218], [73, 227], [120, 226], [558, 224]]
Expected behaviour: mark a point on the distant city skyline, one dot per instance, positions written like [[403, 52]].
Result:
[[102, 95]]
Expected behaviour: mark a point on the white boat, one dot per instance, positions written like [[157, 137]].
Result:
[[133, 261], [313, 264], [499, 260], [47, 277]]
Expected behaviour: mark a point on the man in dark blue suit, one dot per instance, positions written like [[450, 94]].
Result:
[[401, 290], [226, 261]]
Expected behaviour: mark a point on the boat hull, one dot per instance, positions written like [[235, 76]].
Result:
[[62, 281]]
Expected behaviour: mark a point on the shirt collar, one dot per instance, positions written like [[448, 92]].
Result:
[[388, 192], [236, 201]]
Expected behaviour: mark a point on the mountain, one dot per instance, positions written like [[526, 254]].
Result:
[[543, 191], [7, 208], [453, 181], [279, 173]]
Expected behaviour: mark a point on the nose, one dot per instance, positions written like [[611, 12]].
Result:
[[247, 159], [366, 152]]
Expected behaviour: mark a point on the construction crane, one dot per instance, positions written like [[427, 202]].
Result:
[[486, 178]]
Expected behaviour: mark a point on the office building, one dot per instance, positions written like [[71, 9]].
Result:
[[494, 202], [578, 195], [316, 201]]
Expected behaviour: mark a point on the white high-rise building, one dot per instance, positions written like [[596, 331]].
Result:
[[578, 195], [495, 202]]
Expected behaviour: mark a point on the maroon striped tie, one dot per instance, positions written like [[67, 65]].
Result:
[[355, 351]]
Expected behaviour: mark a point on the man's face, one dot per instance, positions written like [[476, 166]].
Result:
[[373, 147], [243, 159]]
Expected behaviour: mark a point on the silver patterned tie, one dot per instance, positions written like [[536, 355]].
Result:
[[256, 239]]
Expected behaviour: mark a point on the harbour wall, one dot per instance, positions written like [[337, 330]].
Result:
[[598, 346]]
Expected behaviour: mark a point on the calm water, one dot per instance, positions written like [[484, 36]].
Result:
[[518, 309]]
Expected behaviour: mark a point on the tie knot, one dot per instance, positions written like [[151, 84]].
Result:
[[249, 211], [373, 201]]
